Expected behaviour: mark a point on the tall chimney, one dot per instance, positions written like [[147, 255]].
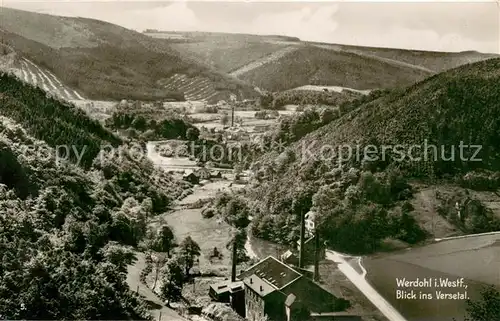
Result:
[[302, 232], [232, 114], [233, 262], [316, 255]]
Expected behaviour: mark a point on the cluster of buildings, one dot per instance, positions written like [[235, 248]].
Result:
[[278, 291], [282, 289], [195, 177]]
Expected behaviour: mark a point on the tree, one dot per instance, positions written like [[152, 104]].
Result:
[[261, 114], [139, 123], [236, 213], [189, 250], [328, 114], [119, 256], [173, 279], [148, 268], [265, 317], [192, 134], [160, 263], [326, 198], [266, 100], [159, 241], [487, 308], [147, 206], [165, 239], [238, 240]]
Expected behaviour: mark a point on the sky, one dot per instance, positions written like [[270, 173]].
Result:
[[438, 26]]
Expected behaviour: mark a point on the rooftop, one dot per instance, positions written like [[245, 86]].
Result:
[[311, 215], [287, 255], [273, 271], [225, 286], [260, 286], [236, 286], [270, 275]]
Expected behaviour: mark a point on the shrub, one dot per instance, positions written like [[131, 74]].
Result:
[[208, 212], [481, 180], [261, 114]]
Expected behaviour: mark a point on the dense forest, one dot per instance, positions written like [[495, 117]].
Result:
[[310, 65], [56, 122], [361, 194], [150, 128], [292, 128], [67, 232], [280, 99]]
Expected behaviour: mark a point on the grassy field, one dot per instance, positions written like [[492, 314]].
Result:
[[208, 233], [205, 192], [426, 205]]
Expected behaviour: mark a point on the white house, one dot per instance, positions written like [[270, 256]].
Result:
[[310, 222]]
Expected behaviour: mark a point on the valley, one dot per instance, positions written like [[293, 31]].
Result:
[[219, 171]]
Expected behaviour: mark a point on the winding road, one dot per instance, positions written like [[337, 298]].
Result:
[[157, 308]]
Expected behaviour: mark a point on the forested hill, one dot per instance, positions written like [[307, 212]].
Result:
[[67, 232], [56, 122], [55, 244], [108, 62], [360, 194]]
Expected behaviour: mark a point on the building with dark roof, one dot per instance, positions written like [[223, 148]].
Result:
[[216, 174], [203, 173], [277, 290], [191, 177]]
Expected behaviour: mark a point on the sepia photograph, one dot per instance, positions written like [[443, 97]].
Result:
[[249, 160]]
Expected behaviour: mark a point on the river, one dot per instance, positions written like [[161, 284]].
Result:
[[259, 248]]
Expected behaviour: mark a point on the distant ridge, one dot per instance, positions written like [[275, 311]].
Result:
[[258, 60], [103, 61]]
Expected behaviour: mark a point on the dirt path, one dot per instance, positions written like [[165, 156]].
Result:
[[265, 60], [209, 233], [386, 60], [157, 308]]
